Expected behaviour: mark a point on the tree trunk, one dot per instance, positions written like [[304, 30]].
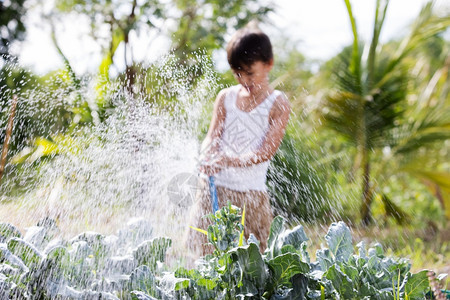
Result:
[[131, 79], [130, 71], [9, 129], [366, 216]]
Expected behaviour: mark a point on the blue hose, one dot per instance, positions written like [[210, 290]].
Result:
[[213, 192]]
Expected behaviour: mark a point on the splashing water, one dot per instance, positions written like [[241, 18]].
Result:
[[137, 166], [120, 168]]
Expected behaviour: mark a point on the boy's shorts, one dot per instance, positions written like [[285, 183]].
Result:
[[258, 215]]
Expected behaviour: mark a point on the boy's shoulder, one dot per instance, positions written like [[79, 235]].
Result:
[[229, 89], [223, 93], [219, 103], [281, 99], [281, 104]]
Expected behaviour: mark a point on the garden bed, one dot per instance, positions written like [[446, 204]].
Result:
[[131, 265]]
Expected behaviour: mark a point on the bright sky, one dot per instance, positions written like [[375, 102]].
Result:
[[320, 27], [323, 26]]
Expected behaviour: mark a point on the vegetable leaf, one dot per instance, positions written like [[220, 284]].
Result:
[[339, 241]]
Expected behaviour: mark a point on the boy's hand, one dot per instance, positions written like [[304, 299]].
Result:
[[214, 164], [210, 167]]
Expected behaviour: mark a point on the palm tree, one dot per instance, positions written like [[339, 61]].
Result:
[[417, 144], [368, 100]]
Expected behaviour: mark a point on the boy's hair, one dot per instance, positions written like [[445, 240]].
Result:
[[247, 46]]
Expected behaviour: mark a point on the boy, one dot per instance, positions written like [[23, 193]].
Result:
[[246, 129]]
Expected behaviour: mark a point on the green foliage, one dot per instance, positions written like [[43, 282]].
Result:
[[299, 188], [375, 112], [248, 268], [142, 281], [150, 252], [12, 27], [226, 234], [245, 272], [8, 231], [25, 251], [414, 284], [198, 26], [120, 15], [167, 83], [80, 268], [203, 25], [282, 241], [285, 266], [368, 103], [366, 274], [48, 109], [291, 71], [15, 80], [283, 271], [339, 240]]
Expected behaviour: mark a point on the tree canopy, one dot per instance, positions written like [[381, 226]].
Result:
[[12, 25]]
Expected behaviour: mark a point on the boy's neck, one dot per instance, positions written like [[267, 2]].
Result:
[[251, 100], [256, 95]]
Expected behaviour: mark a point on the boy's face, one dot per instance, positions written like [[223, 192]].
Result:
[[254, 77]]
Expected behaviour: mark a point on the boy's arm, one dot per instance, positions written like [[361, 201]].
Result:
[[278, 119], [211, 144]]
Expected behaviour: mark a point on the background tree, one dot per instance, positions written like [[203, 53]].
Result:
[[13, 78], [191, 25], [120, 18], [369, 100], [205, 24], [12, 27]]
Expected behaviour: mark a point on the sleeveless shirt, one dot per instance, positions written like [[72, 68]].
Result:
[[244, 133]]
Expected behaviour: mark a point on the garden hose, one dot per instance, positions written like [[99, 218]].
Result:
[[213, 193]]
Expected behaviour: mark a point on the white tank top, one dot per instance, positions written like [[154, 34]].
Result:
[[244, 133]]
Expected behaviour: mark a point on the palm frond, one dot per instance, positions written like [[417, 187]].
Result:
[[440, 185], [341, 110], [426, 25], [342, 75], [394, 210], [355, 65], [430, 125], [378, 24]]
